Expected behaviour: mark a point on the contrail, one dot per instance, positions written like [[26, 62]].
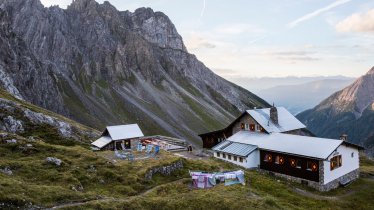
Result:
[[316, 13], [203, 10]]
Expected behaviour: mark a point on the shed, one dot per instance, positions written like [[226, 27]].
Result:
[[118, 136]]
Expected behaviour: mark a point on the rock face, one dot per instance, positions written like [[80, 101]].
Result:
[[101, 66], [348, 111], [16, 118]]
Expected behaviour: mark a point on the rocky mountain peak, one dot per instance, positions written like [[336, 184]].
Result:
[[157, 28], [114, 67], [371, 71], [83, 4]]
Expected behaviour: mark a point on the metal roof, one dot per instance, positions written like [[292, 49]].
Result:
[[235, 148], [286, 121], [102, 141], [313, 147], [119, 132]]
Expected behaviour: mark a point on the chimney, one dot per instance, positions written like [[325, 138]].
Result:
[[344, 137], [274, 114]]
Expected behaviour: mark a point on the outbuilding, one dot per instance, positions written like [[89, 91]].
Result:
[[118, 137]]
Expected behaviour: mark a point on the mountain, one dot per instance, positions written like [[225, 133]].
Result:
[[297, 98], [349, 111], [100, 66], [257, 84]]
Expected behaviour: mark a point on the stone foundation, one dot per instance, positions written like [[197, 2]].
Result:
[[164, 170], [353, 175]]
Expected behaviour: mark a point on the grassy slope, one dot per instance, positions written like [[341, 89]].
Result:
[[261, 192], [88, 176], [46, 185]]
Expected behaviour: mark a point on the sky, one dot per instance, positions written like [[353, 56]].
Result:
[[271, 38]]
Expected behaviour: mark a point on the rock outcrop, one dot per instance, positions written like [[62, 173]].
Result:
[[17, 119], [101, 66]]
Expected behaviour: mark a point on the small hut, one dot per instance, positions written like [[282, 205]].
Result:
[[118, 137]]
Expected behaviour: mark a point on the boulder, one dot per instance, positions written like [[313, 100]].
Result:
[[6, 171], [54, 161]]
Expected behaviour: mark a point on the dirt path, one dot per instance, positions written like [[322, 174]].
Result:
[[106, 199]]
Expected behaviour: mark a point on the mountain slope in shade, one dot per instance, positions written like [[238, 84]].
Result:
[[349, 111], [297, 98], [101, 66]]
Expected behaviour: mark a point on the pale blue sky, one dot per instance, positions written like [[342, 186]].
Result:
[[271, 37]]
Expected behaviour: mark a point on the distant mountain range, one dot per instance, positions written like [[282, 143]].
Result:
[[262, 83], [297, 94], [101, 66], [298, 98], [349, 111]]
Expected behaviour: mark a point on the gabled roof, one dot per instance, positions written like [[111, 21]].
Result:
[[235, 148], [119, 132], [286, 121], [318, 148], [102, 141]]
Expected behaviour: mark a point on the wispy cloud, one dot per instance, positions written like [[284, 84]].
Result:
[[203, 10], [196, 42], [357, 23], [316, 13]]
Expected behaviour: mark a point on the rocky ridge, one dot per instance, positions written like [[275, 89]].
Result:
[[101, 66]]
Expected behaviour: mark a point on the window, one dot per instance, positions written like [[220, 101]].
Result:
[[335, 162], [279, 160], [218, 154], [352, 154], [252, 127], [293, 163], [235, 158], [240, 159], [246, 126], [298, 163], [229, 156], [258, 127], [268, 158], [276, 159], [224, 155], [242, 126], [311, 166]]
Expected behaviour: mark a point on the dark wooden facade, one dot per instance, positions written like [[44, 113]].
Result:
[[213, 138], [290, 165]]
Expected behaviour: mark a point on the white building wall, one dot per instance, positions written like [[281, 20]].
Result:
[[251, 161], [349, 163]]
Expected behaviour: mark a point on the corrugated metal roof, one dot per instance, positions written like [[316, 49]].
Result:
[[235, 148], [314, 147], [286, 121], [119, 132], [102, 141]]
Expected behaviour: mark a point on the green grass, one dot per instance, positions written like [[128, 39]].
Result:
[[260, 192], [94, 175], [40, 183]]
